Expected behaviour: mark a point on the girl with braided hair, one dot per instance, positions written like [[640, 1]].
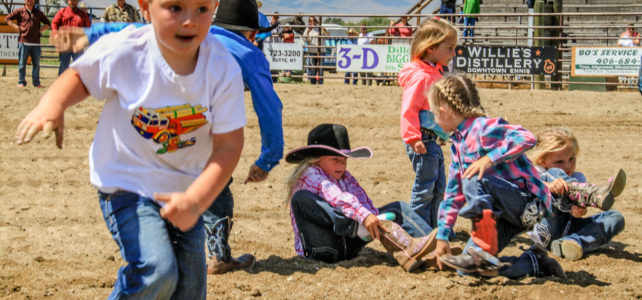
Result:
[[499, 186], [432, 47]]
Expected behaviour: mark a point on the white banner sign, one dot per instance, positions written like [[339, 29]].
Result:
[[606, 61], [372, 58], [9, 46], [284, 56]]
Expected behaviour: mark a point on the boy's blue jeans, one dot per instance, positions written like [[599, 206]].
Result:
[[162, 261], [510, 204], [24, 51], [430, 180], [216, 219], [328, 235], [590, 232]]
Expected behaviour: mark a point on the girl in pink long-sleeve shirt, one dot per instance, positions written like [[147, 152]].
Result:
[[433, 46]]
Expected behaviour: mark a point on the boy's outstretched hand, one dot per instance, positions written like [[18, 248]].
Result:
[[49, 114], [45, 118], [179, 209], [478, 167], [69, 38]]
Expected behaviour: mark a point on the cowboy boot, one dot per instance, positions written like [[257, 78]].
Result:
[[474, 261], [546, 265], [484, 232], [217, 243], [601, 196], [407, 250]]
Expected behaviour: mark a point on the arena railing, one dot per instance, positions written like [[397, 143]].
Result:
[[505, 29]]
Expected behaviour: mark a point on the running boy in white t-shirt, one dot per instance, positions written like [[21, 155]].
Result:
[[168, 139]]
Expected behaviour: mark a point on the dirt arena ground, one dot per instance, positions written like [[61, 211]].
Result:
[[54, 243]]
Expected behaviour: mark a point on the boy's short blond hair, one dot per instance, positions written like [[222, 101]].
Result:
[[552, 140], [429, 35]]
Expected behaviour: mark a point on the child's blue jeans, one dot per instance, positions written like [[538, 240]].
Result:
[[430, 180], [515, 208], [328, 235], [590, 232], [162, 261]]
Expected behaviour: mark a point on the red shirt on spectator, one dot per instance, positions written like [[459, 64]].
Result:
[[401, 30], [68, 16]]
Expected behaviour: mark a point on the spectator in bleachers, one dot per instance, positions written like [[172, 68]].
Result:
[[400, 29], [629, 38], [365, 38], [313, 37], [448, 7], [120, 12], [72, 16], [470, 7]]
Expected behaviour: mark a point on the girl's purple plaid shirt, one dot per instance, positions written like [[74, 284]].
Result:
[[345, 194], [505, 145]]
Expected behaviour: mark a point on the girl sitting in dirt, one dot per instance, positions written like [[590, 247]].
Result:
[[332, 216], [489, 174], [573, 236]]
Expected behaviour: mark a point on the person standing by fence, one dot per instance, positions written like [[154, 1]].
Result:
[[313, 38], [72, 16], [365, 38], [26, 20], [120, 12]]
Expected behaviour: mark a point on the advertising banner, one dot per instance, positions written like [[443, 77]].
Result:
[[606, 61], [284, 56], [506, 60], [9, 48], [372, 58]]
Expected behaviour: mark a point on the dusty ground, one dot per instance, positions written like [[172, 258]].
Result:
[[54, 243]]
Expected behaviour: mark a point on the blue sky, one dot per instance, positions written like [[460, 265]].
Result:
[[315, 6]]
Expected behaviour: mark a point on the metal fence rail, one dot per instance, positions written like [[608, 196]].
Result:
[[505, 29]]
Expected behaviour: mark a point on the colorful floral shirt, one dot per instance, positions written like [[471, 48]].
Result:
[[345, 194], [505, 145]]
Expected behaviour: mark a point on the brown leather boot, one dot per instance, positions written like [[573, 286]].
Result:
[[245, 261], [407, 250], [601, 196]]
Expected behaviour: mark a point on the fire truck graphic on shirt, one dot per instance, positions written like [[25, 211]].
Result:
[[166, 125]]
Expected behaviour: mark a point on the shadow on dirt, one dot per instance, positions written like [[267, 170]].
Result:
[[616, 250], [368, 257]]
